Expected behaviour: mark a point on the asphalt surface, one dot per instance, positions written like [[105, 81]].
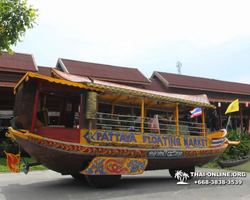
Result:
[[49, 185]]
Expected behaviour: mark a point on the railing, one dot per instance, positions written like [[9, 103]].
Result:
[[133, 123]]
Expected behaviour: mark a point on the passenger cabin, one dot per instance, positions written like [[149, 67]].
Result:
[[85, 103]]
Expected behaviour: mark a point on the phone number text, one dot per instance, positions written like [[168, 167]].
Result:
[[218, 182]]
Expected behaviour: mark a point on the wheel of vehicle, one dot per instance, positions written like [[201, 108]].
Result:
[[102, 181], [187, 170], [78, 177]]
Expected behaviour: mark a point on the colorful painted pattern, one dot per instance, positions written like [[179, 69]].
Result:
[[132, 153], [205, 152], [115, 166], [88, 150], [218, 142]]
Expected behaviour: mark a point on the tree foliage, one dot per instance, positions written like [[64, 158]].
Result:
[[16, 16], [236, 151]]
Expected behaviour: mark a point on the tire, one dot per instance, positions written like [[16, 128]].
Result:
[[186, 170], [102, 181], [78, 177], [172, 173]]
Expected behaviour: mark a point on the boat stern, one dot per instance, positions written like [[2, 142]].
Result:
[[220, 138]]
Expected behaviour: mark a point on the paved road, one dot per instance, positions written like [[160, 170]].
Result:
[[48, 185]]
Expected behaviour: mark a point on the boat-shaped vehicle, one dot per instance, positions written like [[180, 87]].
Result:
[[104, 130]]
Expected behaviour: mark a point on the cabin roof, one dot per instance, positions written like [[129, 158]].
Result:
[[103, 72], [53, 80], [18, 62], [93, 84], [198, 100], [198, 83]]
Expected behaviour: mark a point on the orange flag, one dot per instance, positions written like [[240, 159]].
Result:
[[13, 162]]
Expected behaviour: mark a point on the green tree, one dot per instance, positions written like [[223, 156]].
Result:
[[16, 16]]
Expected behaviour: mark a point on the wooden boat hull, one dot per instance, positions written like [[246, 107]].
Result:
[[70, 158], [232, 163]]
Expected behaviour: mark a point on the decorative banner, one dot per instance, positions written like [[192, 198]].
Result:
[[138, 139], [13, 162], [115, 166]]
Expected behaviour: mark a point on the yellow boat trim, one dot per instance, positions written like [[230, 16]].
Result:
[[232, 142], [55, 80], [24, 134]]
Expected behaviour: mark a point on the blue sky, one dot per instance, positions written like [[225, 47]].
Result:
[[211, 38]]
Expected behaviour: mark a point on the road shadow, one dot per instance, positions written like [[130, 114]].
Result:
[[67, 188]]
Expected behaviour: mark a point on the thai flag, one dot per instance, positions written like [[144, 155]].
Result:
[[195, 112]]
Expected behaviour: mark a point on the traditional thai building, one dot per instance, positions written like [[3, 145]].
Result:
[[12, 69], [220, 93], [122, 75]]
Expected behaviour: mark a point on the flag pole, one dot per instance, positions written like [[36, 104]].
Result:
[[19, 148], [228, 121], [233, 107]]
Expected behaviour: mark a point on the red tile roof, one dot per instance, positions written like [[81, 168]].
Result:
[[191, 82], [103, 72], [46, 71], [17, 62], [156, 85]]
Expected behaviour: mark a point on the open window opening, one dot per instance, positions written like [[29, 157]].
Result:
[[171, 119]]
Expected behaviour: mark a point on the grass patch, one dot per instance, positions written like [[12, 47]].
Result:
[[4, 167], [213, 165]]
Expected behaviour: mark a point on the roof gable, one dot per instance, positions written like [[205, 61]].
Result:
[[46, 71], [191, 82], [155, 85], [18, 62], [103, 72]]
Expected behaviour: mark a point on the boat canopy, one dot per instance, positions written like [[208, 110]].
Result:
[[109, 88]]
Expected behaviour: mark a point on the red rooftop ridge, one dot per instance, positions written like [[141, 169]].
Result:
[[198, 83], [103, 72]]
